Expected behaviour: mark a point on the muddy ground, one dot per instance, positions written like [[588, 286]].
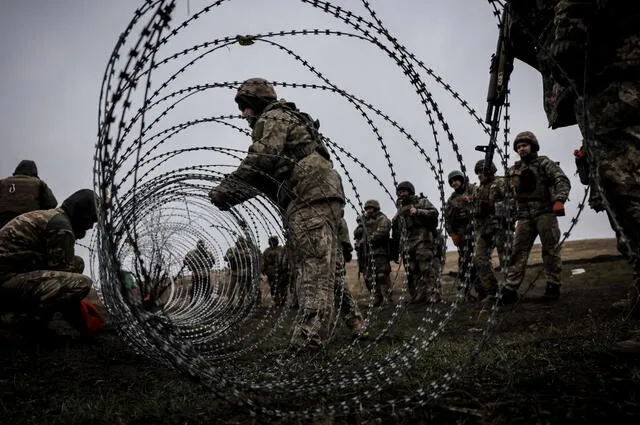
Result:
[[546, 364]]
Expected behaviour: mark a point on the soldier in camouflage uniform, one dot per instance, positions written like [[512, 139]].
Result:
[[488, 211], [605, 105], [275, 266], [288, 162], [541, 189], [39, 273], [414, 229], [457, 222], [345, 304], [374, 248], [241, 264], [24, 192], [200, 261], [358, 235]]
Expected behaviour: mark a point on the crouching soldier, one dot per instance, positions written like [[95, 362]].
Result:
[[39, 272]]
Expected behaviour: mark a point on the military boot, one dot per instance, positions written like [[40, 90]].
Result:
[[508, 295], [551, 292]]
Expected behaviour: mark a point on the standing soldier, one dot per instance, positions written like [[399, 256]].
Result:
[[414, 228], [275, 267], [200, 261], [488, 212], [241, 264], [289, 162], [358, 234], [457, 222], [374, 246], [344, 302], [39, 273], [541, 189], [24, 192]]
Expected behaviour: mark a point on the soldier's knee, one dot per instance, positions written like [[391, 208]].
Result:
[[78, 285]]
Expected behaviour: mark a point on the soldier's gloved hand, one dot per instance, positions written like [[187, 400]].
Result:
[[558, 208], [456, 239], [219, 199]]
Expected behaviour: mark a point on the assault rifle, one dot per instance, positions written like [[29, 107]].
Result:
[[499, 72]]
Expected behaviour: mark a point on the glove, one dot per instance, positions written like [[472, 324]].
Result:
[[219, 200], [558, 208], [346, 253], [456, 239]]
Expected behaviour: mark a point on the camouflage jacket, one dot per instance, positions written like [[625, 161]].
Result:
[[20, 194], [421, 226], [458, 209], [287, 162], [240, 259], [37, 240], [376, 232], [488, 204], [274, 260], [343, 235], [538, 183], [199, 260]]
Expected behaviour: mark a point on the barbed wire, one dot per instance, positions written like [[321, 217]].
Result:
[[156, 207]]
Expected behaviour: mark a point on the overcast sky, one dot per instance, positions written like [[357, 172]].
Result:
[[54, 54]]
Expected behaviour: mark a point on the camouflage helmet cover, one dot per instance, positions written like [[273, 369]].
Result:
[[529, 137], [455, 174], [480, 167], [372, 203], [256, 87], [408, 186]]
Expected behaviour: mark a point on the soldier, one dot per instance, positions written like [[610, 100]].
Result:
[[39, 273], [240, 260], [589, 62], [200, 261], [358, 234], [541, 189], [414, 229], [457, 222], [374, 246], [24, 192], [488, 211], [344, 302], [275, 266], [289, 162]]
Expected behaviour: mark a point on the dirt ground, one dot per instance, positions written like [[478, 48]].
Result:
[[546, 364]]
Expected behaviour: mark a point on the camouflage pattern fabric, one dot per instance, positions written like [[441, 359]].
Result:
[[488, 202], [527, 230], [375, 255], [317, 258], [38, 267], [419, 246], [199, 261], [275, 267], [240, 260], [344, 302]]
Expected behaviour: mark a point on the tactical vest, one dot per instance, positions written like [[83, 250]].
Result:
[[18, 195], [294, 151], [529, 181], [380, 246]]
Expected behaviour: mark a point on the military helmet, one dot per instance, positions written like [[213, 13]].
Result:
[[273, 241], [529, 137], [456, 174], [372, 203], [256, 87], [479, 168], [408, 186]]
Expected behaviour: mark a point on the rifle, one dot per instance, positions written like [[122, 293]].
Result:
[[499, 72]]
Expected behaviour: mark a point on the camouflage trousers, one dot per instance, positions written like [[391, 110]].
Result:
[[238, 291], [421, 275], [43, 290], [466, 266], [527, 230], [612, 128], [486, 242], [278, 286], [377, 269], [314, 246]]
